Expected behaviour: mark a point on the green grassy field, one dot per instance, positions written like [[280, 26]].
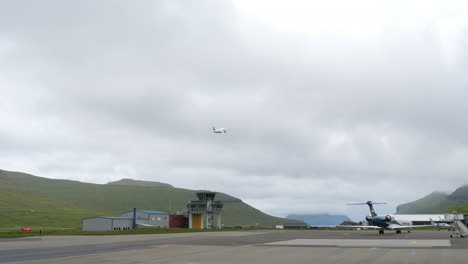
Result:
[[76, 232]]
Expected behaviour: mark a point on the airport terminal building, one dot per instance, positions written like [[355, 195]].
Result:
[[421, 219]]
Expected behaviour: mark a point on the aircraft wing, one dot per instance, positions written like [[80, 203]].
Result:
[[402, 226], [353, 226], [388, 227]]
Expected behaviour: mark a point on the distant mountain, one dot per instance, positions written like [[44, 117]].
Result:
[[27, 200], [435, 202], [130, 182], [319, 219]]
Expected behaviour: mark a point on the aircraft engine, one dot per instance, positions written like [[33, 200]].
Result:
[[368, 218], [388, 218]]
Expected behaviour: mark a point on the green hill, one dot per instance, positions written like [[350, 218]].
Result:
[[461, 208], [460, 195], [435, 202], [27, 200]]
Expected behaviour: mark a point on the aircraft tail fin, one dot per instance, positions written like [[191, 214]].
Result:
[[371, 207]]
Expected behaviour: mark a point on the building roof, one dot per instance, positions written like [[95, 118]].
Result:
[[151, 212], [419, 217]]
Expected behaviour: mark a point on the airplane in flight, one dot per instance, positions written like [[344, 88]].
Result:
[[220, 130], [382, 222]]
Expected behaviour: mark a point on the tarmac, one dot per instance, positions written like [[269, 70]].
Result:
[[263, 246]]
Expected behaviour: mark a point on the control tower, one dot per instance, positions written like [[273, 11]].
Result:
[[205, 205]]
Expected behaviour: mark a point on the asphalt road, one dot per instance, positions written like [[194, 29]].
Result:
[[270, 246]]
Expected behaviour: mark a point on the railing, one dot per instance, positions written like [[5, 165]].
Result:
[[203, 210]]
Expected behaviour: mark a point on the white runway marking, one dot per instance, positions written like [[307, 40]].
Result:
[[392, 243]]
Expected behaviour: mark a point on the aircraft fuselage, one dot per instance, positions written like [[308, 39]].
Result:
[[382, 221]]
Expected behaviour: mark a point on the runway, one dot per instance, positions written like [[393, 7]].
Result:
[[264, 246], [372, 243]]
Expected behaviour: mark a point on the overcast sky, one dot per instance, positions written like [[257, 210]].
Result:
[[328, 102]]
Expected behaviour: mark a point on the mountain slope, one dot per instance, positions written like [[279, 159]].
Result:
[[320, 219], [461, 208], [460, 195], [435, 202], [30, 200]]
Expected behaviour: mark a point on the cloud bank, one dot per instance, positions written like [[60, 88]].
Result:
[[325, 105]]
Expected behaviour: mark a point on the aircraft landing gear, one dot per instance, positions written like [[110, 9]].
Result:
[[381, 231], [398, 231]]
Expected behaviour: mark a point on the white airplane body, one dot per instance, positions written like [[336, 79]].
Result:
[[219, 130]]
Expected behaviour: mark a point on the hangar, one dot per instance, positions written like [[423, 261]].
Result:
[[144, 218], [107, 223]]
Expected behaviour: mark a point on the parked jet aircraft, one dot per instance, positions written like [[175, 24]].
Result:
[[382, 222], [219, 130], [440, 225]]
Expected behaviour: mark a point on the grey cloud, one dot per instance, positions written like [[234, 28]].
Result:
[[98, 91]]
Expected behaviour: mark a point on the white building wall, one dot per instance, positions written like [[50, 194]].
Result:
[[106, 224], [159, 220], [122, 224], [97, 224]]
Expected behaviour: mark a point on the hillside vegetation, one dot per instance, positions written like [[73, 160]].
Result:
[[462, 209], [27, 200], [320, 219], [436, 202]]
